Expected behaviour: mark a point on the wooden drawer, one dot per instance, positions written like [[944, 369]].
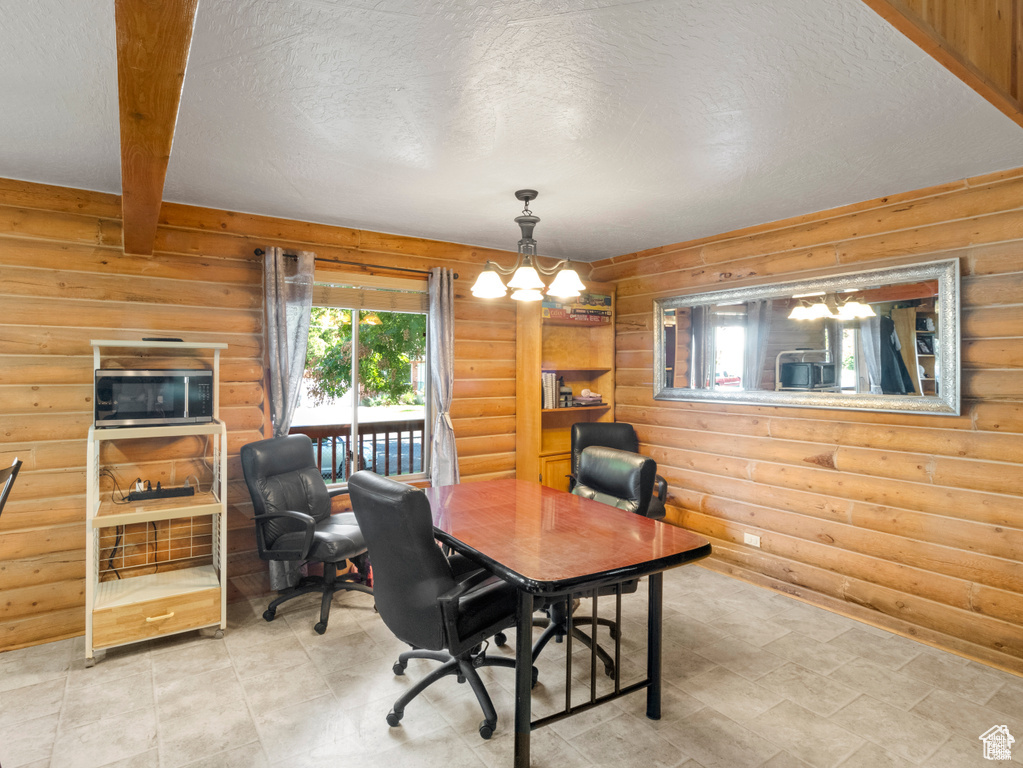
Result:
[[152, 618]]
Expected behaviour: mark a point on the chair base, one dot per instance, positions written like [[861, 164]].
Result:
[[464, 668], [327, 584], [557, 630]]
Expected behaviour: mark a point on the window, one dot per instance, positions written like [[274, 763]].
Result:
[[370, 415]]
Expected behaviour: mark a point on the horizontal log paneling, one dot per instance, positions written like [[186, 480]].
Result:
[[913, 522], [64, 280]]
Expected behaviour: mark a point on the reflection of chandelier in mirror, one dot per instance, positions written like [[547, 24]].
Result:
[[829, 306], [525, 280]]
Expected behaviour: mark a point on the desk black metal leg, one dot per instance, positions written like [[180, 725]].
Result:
[[653, 647], [523, 678]]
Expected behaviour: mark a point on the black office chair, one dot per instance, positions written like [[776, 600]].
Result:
[[622, 479], [623, 437], [7, 476], [443, 615], [293, 520]]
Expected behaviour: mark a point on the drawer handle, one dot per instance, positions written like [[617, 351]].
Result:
[[151, 619]]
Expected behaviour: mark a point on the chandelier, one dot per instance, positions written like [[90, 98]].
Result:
[[830, 306], [525, 283]]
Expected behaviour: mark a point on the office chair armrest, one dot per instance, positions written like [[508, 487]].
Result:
[[453, 595], [449, 610], [307, 541], [661, 488]]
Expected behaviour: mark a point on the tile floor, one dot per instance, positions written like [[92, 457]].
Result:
[[751, 679]]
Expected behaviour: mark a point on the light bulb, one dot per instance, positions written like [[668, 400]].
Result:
[[527, 294]]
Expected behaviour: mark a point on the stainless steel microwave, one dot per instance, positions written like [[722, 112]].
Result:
[[153, 398]]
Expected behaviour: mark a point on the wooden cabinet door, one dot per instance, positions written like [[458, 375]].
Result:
[[554, 470]]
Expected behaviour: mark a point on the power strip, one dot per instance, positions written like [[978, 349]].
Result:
[[160, 493]]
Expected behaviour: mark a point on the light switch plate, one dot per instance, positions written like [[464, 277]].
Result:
[[752, 539]]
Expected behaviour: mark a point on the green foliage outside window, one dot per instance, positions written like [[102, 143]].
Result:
[[386, 354]]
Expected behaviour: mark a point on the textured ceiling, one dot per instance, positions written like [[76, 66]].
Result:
[[641, 123]]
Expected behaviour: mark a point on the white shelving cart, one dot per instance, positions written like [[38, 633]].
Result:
[[190, 592]]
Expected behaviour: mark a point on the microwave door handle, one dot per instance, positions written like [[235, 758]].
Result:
[[186, 397]]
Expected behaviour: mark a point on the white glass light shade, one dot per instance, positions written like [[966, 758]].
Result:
[[527, 294], [526, 278], [854, 310], [818, 311], [800, 312], [566, 284], [488, 285]]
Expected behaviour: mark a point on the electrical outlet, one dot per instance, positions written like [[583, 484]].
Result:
[[751, 538]]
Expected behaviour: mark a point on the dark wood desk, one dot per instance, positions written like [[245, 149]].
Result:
[[550, 543]]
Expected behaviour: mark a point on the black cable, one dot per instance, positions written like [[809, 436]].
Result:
[[123, 500], [156, 546], [113, 552]]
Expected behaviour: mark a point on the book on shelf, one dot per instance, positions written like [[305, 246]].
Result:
[[549, 389], [588, 309]]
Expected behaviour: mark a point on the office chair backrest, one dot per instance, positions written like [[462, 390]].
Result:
[[281, 474], [7, 477], [409, 570], [611, 434], [622, 479]]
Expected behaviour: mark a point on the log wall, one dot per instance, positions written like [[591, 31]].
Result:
[[914, 523], [64, 280]]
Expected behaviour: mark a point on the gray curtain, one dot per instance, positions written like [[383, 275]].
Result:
[[443, 457], [288, 288], [288, 284], [833, 342], [702, 374], [758, 329], [870, 336]]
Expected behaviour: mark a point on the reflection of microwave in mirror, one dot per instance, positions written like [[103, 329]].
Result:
[[805, 369]]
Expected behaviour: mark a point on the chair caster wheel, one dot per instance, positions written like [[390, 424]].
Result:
[[393, 718], [320, 627], [398, 668], [460, 679], [268, 614], [486, 730], [501, 639], [535, 678], [218, 635], [609, 671]]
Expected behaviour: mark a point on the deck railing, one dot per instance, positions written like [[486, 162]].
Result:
[[386, 447]]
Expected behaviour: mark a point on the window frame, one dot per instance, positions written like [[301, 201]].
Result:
[[356, 292]]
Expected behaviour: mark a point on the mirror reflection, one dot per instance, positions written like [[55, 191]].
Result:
[[883, 339]]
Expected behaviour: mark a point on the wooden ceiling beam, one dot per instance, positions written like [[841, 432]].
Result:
[[153, 38], [980, 43]]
